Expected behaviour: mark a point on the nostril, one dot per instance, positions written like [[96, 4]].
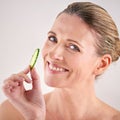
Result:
[[58, 57]]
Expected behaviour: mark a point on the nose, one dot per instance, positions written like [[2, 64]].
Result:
[[57, 53]]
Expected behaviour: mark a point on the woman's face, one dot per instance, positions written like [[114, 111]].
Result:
[[69, 53]]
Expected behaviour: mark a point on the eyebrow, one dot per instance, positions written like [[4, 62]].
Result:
[[51, 32], [75, 41]]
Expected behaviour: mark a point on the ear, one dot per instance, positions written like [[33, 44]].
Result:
[[103, 64]]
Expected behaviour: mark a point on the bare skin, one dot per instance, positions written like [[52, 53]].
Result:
[[90, 112], [68, 67], [105, 112]]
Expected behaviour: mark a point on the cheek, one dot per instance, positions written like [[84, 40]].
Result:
[[79, 66], [44, 51], [73, 61]]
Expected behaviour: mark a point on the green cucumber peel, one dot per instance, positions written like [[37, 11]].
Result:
[[34, 58]]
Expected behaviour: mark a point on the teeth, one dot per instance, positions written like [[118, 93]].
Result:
[[56, 68]]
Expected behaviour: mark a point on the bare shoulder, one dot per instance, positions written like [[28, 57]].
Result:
[[110, 112], [116, 116], [9, 112]]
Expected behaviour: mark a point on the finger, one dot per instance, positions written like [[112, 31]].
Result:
[[26, 70], [35, 79], [11, 86], [14, 78], [24, 74], [24, 77], [11, 83]]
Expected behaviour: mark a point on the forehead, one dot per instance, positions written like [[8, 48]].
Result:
[[73, 27], [70, 22]]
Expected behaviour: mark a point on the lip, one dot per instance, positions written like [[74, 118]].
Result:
[[55, 68]]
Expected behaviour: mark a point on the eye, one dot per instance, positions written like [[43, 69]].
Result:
[[74, 47], [52, 39]]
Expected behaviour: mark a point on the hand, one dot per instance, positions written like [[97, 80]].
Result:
[[29, 102]]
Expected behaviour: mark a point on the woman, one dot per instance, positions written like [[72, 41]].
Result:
[[81, 45]]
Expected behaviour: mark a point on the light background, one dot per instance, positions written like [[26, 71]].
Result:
[[23, 28]]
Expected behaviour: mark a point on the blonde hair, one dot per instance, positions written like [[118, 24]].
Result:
[[101, 22]]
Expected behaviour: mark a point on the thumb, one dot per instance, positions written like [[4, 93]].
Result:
[[35, 79]]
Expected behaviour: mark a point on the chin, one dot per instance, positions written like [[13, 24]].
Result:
[[54, 83]]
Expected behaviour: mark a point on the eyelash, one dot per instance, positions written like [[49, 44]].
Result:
[[71, 46], [52, 39], [74, 47]]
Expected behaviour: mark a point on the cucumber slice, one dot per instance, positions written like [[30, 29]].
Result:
[[34, 58]]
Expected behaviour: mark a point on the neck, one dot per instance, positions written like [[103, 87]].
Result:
[[73, 102]]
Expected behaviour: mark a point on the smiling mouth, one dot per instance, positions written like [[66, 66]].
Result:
[[56, 68]]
